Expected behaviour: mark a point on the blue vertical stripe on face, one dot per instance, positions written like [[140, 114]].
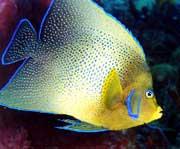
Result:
[[129, 101]]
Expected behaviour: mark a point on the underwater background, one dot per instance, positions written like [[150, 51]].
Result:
[[156, 24]]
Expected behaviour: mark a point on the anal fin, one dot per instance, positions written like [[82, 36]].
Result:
[[78, 126]]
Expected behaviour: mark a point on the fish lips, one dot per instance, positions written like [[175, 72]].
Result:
[[133, 103]]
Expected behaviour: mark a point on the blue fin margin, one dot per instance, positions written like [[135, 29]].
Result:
[[12, 39], [44, 19], [5, 51], [7, 48], [72, 123]]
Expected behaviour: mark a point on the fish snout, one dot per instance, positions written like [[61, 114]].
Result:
[[157, 114]]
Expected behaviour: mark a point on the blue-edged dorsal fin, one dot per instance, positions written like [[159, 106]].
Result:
[[66, 20], [21, 43], [78, 126], [70, 21]]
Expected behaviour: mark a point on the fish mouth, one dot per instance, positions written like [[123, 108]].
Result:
[[158, 114], [130, 100]]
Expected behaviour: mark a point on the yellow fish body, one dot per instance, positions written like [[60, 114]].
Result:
[[82, 63]]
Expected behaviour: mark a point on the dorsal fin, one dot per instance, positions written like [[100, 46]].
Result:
[[69, 21], [66, 20], [21, 43]]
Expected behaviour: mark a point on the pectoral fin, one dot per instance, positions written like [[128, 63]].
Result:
[[112, 90]]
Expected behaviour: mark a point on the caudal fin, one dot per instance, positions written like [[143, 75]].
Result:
[[18, 47]]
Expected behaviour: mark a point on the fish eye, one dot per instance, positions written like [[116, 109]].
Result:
[[149, 94]]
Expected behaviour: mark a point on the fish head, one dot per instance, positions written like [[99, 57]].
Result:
[[140, 100], [131, 106]]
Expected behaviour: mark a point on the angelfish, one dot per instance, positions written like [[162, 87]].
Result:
[[83, 63]]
